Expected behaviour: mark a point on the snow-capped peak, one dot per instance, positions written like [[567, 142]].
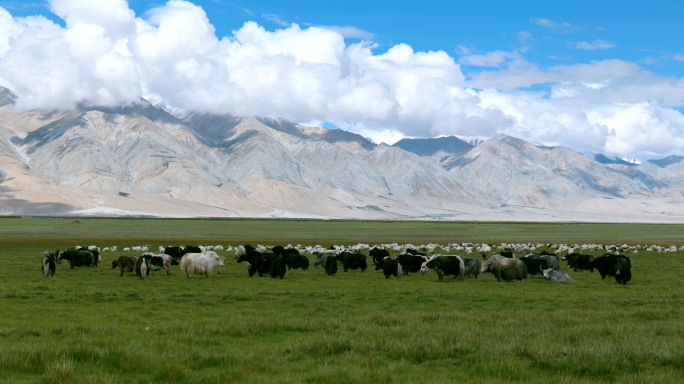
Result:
[[158, 102]]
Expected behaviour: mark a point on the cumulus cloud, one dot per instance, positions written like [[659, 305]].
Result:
[[9, 30], [107, 55], [644, 128], [113, 16]]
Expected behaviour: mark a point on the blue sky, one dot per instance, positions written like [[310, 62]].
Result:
[[591, 75], [646, 31], [649, 32], [548, 31]]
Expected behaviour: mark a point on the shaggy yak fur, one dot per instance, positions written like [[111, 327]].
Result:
[[331, 266], [142, 267], [504, 268], [48, 264], [446, 265], [619, 266], [125, 264], [277, 267], [390, 267], [201, 263]]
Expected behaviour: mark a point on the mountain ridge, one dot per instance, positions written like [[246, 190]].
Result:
[[142, 160]]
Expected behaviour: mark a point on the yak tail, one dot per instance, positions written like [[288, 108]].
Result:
[[399, 270], [461, 266], [239, 251]]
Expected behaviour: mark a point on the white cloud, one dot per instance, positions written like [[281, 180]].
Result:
[[113, 16], [312, 74], [378, 135], [608, 106], [524, 36], [495, 59], [595, 45], [678, 57], [546, 23], [350, 32], [595, 86], [645, 129], [276, 19], [9, 29], [527, 76], [463, 50]]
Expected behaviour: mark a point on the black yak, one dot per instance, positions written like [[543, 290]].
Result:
[[535, 263], [352, 261], [330, 266], [613, 265], [390, 267], [445, 265], [277, 267], [77, 257]]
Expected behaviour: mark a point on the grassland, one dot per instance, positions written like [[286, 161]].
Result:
[[88, 325]]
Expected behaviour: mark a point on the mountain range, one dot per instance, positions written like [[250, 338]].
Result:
[[147, 159]]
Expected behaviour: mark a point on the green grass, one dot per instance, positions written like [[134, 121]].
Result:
[[164, 231], [88, 325]]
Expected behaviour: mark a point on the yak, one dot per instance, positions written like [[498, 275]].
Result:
[[445, 265], [352, 261], [505, 268], [536, 262], [277, 267], [378, 254], [556, 276], [201, 263], [142, 267], [613, 265], [255, 262], [330, 266], [578, 261], [321, 258], [410, 262], [77, 257], [390, 267], [125, 264], [48, 264]]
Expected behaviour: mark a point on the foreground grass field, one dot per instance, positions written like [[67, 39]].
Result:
[[88, 325]]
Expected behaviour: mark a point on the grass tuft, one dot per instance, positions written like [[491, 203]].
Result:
[[172, 373], [60, 371]]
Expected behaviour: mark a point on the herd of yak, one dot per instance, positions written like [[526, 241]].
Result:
[[275, 261]]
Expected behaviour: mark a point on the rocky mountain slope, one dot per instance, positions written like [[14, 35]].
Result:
[[143, 160], [445, 150]]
